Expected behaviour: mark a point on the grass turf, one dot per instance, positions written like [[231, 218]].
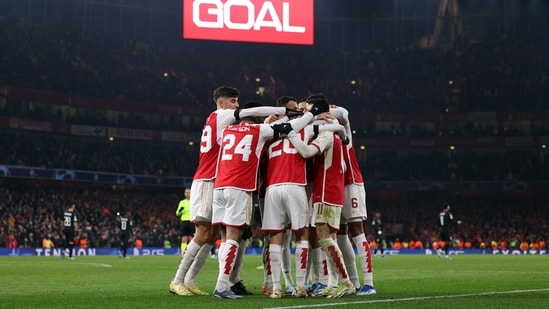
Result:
[[402, 281]]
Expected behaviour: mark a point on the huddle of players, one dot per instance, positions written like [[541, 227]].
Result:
[[302, 149]]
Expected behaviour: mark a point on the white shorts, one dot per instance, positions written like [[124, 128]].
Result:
[[354, 205], [201, 200], [326, 214], [232, 207], [285, 205]]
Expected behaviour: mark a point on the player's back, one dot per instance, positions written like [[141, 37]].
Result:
[[329, 168], [353, 174], [285, 165], [241, 149]]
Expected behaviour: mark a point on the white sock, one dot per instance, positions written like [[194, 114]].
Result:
[[199, 262], [321, 266], [349, 257], [301, 261], [287, 258], [265, 256], [334, 257], [365, 256], [186, 261], [227, 258], [309, 275], [235, 274], [276, 264], [221, 248]]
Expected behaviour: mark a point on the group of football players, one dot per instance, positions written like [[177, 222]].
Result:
[[299, 158]]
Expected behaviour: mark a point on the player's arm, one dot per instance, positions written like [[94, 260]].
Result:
[[299, 123], [316, 147], [342, 115], [334, 128], [265, 111]]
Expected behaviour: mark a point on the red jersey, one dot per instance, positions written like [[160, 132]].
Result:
[[285, 165], [210, 143], [211, 136], [329, 169], [353, 174], [242, 147]]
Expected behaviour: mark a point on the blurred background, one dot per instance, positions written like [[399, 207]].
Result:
[[102, 101]]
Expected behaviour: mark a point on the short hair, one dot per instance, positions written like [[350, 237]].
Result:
[[254, 119], [251, 104], [317, 96], [283, 100], [225, 91]]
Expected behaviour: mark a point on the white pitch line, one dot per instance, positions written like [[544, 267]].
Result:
[[392, 300], [99, 264]]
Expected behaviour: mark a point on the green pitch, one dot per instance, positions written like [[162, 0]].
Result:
[[405, 281]]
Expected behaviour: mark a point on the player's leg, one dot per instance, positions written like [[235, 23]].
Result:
[[365, 256], [355, 212], [326, 219], [227, 258], [286, 260], [199, 262], [346, 248], [298, 210], [233, 209], [201, 210], [238, 286], [274, 222], [301, 260], [275, 262]]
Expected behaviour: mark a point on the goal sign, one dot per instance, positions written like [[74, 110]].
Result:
[[267, 21]]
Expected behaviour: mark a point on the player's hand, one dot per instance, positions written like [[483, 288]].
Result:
[[320, 105], [282, 128], [325, 116], [459, 221], [293, 113], [271, 119]]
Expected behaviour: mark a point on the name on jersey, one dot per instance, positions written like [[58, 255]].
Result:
[[241, 129]]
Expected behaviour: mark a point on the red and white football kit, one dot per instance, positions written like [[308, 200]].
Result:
[[210, 141], [285, 199], [242, 146], [354, 207], [328, 181]]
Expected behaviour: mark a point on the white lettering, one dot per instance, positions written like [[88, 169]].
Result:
[[261, 22], [152, 251], [286, 20], [217, 11], [227, 14], [222, 14]]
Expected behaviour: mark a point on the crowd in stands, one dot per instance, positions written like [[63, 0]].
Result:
[[23, 148], [493, 73], [30, 211]]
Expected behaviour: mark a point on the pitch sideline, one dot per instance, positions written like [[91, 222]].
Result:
[[408, 299]]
